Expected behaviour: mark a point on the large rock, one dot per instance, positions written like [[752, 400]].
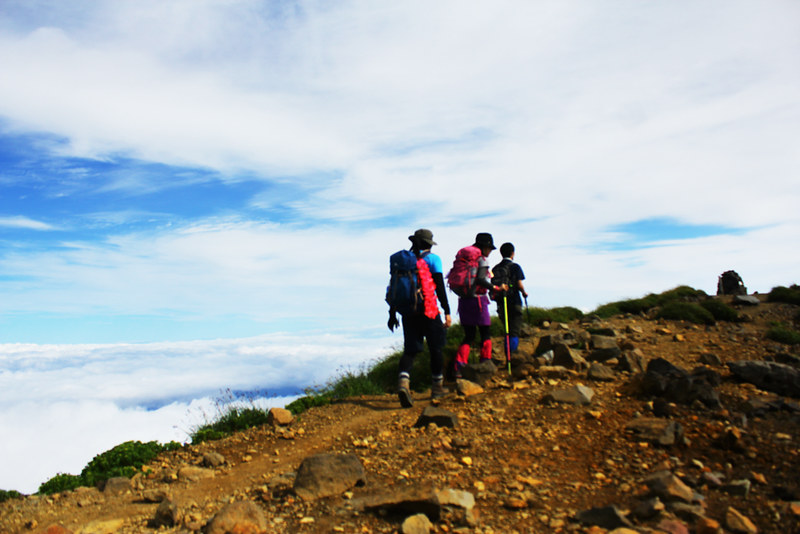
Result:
[[437, 416], [279, 417], [662, 379], [738, 523], [480, 373], [240, 517], [656, 430], [632, 361], [425, 499], [608, 517], [578, 395], [467, 388], [565, 356], [769, 376], [746, 300], [601, 373], [669, 488], [324, 475], [603, 342], [213, 459], [549, 342], [604, 348]]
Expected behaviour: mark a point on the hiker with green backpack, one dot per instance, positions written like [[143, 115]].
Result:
[[509, 302], [416, 282], [470, 279]]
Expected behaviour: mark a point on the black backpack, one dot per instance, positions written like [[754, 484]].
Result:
[[501, 274]]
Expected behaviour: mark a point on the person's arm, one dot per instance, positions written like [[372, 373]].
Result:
[[483, 279], [441, 293], [520, 278], [521, 288]]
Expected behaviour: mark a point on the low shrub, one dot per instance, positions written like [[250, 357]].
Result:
[[7, 495], [686, 293], [789, 295], [720, 310], [123, 460], [783, 334], [565, 314], [607, 310], [650, 301], [61, 482], [685, 311]]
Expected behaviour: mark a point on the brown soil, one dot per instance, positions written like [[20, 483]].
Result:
[[531, 466]]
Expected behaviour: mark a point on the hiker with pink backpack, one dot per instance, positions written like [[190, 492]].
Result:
[[470, 279]]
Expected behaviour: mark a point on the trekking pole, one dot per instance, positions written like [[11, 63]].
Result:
[[527, 313], [508, 341]]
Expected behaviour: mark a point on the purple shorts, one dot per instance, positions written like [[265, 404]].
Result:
[[474, 311]]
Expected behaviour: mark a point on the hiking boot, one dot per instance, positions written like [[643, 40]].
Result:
[[437, 390], [404, 393]]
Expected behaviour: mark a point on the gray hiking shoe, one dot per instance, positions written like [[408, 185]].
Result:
[[437, 390], [404, 393]]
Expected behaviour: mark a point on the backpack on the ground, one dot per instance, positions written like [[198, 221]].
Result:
[[411, 287], [730, 283], [461, 277]]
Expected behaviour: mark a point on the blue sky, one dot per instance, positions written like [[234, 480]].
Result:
[[207, 171], [186, 170]]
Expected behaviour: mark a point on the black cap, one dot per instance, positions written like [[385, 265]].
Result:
[[484, 240]]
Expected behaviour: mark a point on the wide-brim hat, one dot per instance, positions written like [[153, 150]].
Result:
[[484, 240], [423, 235]]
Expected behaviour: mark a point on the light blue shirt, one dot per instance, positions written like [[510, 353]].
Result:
[[434, 262]]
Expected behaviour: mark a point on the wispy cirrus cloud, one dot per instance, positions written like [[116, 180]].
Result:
[[25, 223]]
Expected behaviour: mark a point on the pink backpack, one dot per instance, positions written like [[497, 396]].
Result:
[[461, 277]]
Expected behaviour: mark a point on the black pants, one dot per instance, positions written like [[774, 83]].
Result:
[[470, 331], [514, 318], [416, 328]]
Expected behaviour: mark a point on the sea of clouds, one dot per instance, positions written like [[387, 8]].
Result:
[[60, 405]]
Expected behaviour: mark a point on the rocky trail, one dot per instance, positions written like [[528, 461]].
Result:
[[622, 425]]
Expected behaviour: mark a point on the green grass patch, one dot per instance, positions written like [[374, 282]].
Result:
[[720, 310], [783, 334], [234, 419], [686, 311], [789, 295], [124, 460], [380, 378], [234, 412]]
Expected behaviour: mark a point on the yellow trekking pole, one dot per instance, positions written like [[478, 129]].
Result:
[[508, 341]]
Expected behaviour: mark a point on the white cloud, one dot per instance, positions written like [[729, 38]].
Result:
[[93, 397], [24, 223]]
